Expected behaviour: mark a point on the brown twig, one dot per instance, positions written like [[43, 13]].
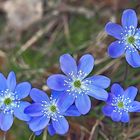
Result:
[[93, 129]]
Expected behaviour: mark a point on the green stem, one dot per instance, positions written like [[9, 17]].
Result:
[[125, 74], [32, 137], [45, 135], [4, 136]]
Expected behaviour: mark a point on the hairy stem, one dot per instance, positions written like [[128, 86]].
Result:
[[44, 135], [4, 136], [32, 137]]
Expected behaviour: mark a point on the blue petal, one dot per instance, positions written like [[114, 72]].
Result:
[[72, 111], [3, 82], [129, 18], [56, 82], [39, 123], [83, 103], [134, 106], [110, 98], [97, 92], [34, 110], [51, 130], [11, 81], [133, 58], [130, 93], [37, 133], [137, 44], [116, 116], [19, 111], [107, 110], [38, 95], [65, 101], [125, 117], [99, 81], [23, 90], [6, 121], [117, 90], [137, 40], [116, 49], [85, 65], [56, 94], [61, 126], [114, 30], [68, 64]]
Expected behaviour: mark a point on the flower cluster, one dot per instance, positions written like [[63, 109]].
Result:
[[70, 91], [75, 85], [50, 112], [10, 100], [120, 103], [128, 36]]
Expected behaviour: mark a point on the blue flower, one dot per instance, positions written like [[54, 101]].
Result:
[[120, 102], [128, 36], [49, 113], [75, 85], [10, 100]]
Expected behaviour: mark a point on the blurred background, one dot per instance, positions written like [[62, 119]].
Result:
[[34, 33]]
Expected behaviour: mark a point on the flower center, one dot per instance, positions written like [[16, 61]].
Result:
[[131, 40], [120, 104], [77, 83], [53, 108], [7, 101]]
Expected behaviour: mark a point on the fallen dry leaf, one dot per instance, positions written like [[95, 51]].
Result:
[[22, 13]]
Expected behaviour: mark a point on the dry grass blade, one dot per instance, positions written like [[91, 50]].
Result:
[[108, 66], [37, 36], [103, 135]]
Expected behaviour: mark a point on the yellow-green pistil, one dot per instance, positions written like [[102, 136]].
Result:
[[53, 108], [77, 84], [120, 105], [7, 101], [131, 40]]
